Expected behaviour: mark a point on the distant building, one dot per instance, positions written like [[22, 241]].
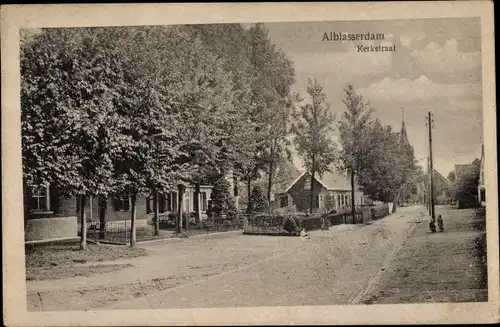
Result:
[[466, 184], [332, 190]]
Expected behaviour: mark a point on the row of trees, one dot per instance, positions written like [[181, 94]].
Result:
[[148, 110], [374, 156]]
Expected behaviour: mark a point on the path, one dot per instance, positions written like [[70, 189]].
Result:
[[438, 267], [334, 267]]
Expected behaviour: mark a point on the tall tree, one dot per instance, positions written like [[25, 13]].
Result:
[[312, 128], [354, 128], [380, 175], [273, 77], [68, 100]]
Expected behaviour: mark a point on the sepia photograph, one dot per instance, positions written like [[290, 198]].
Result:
[[254, 164]]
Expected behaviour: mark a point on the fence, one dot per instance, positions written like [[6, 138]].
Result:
[[119, 231]]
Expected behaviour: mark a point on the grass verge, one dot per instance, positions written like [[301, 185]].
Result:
[[54, 261]]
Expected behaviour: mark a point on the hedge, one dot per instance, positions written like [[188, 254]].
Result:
[[280, 223], [379, 211]]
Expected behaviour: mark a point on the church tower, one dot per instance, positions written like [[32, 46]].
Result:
[[403, 137]]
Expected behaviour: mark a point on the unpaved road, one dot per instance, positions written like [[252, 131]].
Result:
[[337, 266]]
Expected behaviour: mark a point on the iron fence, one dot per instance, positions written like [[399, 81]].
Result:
[[119, 231]]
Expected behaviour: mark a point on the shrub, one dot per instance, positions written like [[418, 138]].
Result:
[[290, 225], [258, 200], [335, 219], [265, 220], [379, 211], [222, 201], [309, 222]]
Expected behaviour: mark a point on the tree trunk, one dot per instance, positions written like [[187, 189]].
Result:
[[353, 206], [197, 202], [394, 201], [103, 205], [236, 199], [180, 208], [270, 181], [313, 173], [156, 206], [249, 192], [83, 225], [133, 218], [311, 202]]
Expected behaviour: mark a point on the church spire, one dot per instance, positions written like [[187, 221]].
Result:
[[404, 142], [404, 137]]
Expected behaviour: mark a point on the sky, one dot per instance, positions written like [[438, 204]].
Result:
[[436, 67]]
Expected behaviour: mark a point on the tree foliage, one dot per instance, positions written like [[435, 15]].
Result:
[[354, 128], [312, 129], [222, 201], [258, 200]]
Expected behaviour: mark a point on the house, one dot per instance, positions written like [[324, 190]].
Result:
[[45, 202], [332, 190], [466, 180], [481, 190]]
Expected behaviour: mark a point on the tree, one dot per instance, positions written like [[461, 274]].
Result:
[[68, 100], [258, 200], [380, 175], [451, 176], [354, 129], [312, 128], [466, 184], [182, 95], [273, 77], [222, 202], [238, 149]]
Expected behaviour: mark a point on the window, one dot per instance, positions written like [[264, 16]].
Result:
[[284, 202], [40, 198], [204, 203], [173, 204], [162, 203], [148, 204], [122, 203], [320, 201], [307, 183]]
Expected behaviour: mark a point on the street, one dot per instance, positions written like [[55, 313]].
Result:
[[346, 265]]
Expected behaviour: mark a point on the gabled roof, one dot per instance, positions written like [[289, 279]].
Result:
[[333, 180], [440, 179]]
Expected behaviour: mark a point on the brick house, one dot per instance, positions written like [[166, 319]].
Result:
[[332, 190], [45, 202]]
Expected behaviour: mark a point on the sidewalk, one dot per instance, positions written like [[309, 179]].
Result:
[[437, 267]]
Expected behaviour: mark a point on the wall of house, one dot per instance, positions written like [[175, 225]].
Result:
[[336, 203], [61, 206], [68, 206], [301, 194]]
